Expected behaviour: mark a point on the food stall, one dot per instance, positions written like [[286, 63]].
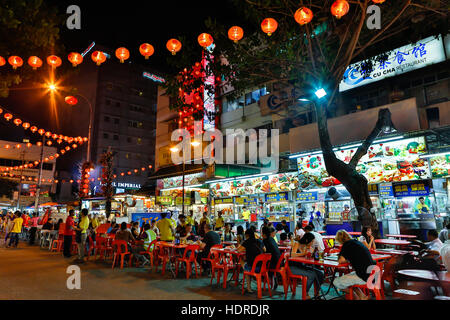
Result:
[[226, 205], [278, 207], [252, 189], [392, 161]]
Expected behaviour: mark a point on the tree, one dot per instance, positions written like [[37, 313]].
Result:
[[107, 178], [27, 27], [316, 55]]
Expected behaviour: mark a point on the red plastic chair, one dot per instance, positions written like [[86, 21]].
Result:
[[378, 292], [209, 258], [188, 259], [220, 263], [264, 260], [57, 244], [150, 251], [120, 251], [162, 256], [292, 281], [100, 248], [282, 271]]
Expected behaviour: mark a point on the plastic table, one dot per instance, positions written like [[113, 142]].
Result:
[[442, 278], [400, 236], [393, 242]]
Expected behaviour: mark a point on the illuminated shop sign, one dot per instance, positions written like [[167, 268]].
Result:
[[401, 60], [126, 185], [153, 77]]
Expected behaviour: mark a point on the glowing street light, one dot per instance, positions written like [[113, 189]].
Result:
[[321, 93]]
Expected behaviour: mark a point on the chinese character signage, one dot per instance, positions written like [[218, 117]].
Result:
[[179, 201], [412, 189], [373, 189], [245, 200], [164, 200], [277, 197], [224, 201], [401, 60], [386, 190], [307, 196]]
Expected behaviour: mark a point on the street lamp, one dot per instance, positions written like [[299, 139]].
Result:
[[320, 93], [71, 100]]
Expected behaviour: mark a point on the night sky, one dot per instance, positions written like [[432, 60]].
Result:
[[114, 24]]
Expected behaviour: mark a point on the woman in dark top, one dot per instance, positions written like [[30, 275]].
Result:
[[272, 248], [227, 234], [240, 235], [252, 247], [57, 224]]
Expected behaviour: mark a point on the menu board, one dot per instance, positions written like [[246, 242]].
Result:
[[384, 162], [277, 197], [440, 166], [412, 189], [264, 184], [245, 201], [174, 182], [164, 200], [224, 201], [307, 196]]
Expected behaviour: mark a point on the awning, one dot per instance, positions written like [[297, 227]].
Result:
[[174, 171]]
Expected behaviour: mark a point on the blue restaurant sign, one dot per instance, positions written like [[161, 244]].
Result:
[[277, 197], [412, 189], [386, 190], [307, 196], [144, 218]]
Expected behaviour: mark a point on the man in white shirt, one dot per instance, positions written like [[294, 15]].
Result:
[[317, 237], [434, 246], [443, 235], [299, 232]]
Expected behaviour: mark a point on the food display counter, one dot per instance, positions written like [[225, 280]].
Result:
[[279, 207], [226, 205]]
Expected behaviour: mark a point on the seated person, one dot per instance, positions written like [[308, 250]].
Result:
[[148, 236], [359, 257], [443, 235], [113, 229], [305, 247], [367, 238], [240, 237], [253, 228], [272, 248], [135, 229], [284, 240], [299, 232], [154, 227], [126, 235], [211, 238], [252, 247], [227, 235], [310, 229], [48, 225], [188, 234], [434, 246]]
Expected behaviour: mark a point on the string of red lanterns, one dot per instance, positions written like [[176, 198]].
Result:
[[26, 125], [302, 16]]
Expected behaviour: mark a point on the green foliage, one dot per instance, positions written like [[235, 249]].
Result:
[[7, 187], [27, 27]]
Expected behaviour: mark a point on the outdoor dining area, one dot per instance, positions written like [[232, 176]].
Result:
[[224, 264]]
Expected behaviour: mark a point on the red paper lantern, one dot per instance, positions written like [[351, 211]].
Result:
[[98, 57], [39, 143], [26, 125], [48, 134], [33, 129], [29, 145], [235, 33], [303, 15], [15, 61], [75, 58], [269, 26], [8, 116], [2, 61], [34, 62], [18, 146], [17, 122], [122, 54], [340, 8], [54, 136], [173, 45], [54, 61], [41, 131], [49, 143], [71, 100], [205, 40], [146, 50], [378, 1]]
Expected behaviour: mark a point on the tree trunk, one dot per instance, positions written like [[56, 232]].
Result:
[[355, 183]]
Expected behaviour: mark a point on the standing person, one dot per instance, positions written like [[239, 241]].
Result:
[[219, 222], [367, 238], [360, 259], [68, 234], [211, 238], [307, 245], [345, 214], [203, 221], [422, 207], [181, 227], [190, 220], [300, 212], [95, 223], [34, 224], [16, 230], [252, 247], [165, 228], [82, 227], [246, 216]]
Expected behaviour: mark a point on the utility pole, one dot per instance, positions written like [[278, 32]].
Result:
[[38, 191]]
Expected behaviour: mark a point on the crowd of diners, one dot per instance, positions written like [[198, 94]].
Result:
[[304, 241]]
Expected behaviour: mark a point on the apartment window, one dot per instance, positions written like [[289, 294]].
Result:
[[108, 102], [47, 166], [116, 120], [132, 124], [129, 140], [106, 118], [136, 108], [105, 136], [116, 137], [140, 124]]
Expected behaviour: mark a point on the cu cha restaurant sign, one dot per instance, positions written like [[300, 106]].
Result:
[[401, 60]]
